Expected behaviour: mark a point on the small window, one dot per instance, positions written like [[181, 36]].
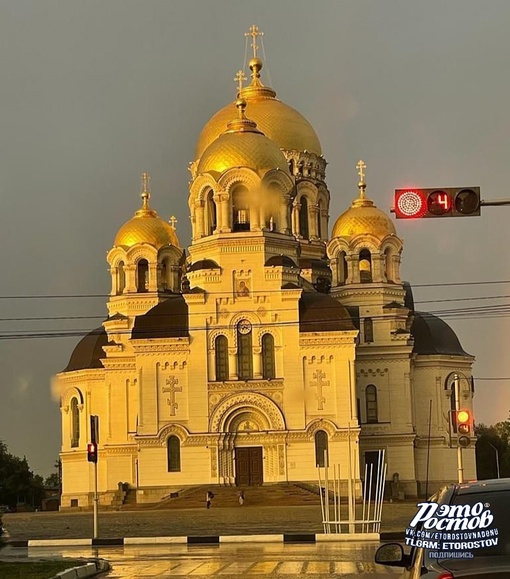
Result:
[[221, 356], [74, 503], [173, 454], [75, 424], [142, 276], [321, 448], [268, 365], [368, 330], [303, 218], [371, 403]]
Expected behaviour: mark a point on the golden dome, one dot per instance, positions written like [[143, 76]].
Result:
[[146, 226], [242, 145], [363, 216], [277, 120]]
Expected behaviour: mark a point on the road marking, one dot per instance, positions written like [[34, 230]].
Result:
[[237, 568], [318, 567], [345, 567], [290, 568], [186, 567], [209, 568], [264, 567]]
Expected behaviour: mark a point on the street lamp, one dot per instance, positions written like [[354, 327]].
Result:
[[497, 457]]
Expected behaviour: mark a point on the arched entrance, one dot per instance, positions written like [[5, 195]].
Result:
[[248, 447]]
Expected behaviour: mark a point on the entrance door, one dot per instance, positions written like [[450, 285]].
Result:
[[249, 468]]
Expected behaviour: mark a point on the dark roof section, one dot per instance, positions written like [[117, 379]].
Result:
[[322, 313], [408, 298], [166, 320], [89, 351], [306, 263], [434, 336], [204, 264], [280, 261], [354, 313]]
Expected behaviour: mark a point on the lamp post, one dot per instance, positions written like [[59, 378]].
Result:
[[497, 457]]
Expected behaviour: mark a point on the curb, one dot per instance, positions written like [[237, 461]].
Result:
[[88, 570], [210, 540]]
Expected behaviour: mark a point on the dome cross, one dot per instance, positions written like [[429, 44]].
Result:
[[361, 172], [240, 77], [254, 32]]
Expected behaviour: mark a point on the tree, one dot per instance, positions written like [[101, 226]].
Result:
[[493, 446], [18, 484]]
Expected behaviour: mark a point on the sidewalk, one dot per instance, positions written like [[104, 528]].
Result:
[[218, 521]]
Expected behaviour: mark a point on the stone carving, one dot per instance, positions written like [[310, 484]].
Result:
[[172, 388], [319, 384]]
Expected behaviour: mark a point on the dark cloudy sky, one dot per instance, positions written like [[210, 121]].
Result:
[[93, 92]]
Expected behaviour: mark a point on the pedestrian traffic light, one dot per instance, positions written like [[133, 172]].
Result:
[[92, 452], [464, 422], [440, 202]]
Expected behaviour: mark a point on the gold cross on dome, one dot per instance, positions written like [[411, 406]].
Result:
[[146, 190], [239, 78], [360, 166], [254, 32], [173, 221]]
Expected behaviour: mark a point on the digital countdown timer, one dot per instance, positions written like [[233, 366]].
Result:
[[449, 202]]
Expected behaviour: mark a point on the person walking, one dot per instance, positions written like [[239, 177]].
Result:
[[240, 495], [209, 496]]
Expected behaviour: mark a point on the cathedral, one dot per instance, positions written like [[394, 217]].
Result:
[[268, 347]]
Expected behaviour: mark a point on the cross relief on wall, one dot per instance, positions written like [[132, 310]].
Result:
[[171, 387], [319, 383]]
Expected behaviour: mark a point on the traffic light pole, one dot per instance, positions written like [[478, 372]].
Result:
[[460, 464], [96, 500]]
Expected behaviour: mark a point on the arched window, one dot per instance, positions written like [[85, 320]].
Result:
[[244, 351], [371, 402], [75, 423], [368, 330], [342, 268], [211, 214], [142, 276], [240, 209], [173, 453], [121, 277], [365, 266], [388, 265], [321, 448], [221, 358], [303, 218], [164, 275], [268, 365], [319, 219]]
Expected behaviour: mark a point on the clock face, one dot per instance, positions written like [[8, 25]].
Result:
[[244, 327]]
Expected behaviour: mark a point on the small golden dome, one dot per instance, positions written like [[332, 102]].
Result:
[[242, 145], [146, 226], [363, 216], [359, 219], [281, 123]]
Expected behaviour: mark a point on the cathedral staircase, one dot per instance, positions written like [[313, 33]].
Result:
[[277, 494]]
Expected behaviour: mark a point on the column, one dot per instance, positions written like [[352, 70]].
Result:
[[257, 363], [232, 364]]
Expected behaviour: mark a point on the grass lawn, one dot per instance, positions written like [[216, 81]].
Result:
[[36, 569]]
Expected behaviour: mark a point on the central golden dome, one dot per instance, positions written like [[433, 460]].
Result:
[[242, 145], [278, 121]]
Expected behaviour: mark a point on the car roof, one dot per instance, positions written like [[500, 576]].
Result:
[[471, 487]]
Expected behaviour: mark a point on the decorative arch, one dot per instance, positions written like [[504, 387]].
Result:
[[68, 394], [172, 429], [320, 424], [243, 402], [239, 176]]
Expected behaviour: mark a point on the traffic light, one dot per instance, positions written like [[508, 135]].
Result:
[[439, 202], [464, 422], [92, 452]]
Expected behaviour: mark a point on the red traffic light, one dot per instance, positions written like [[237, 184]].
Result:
[[92, 452], [445, 202]]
